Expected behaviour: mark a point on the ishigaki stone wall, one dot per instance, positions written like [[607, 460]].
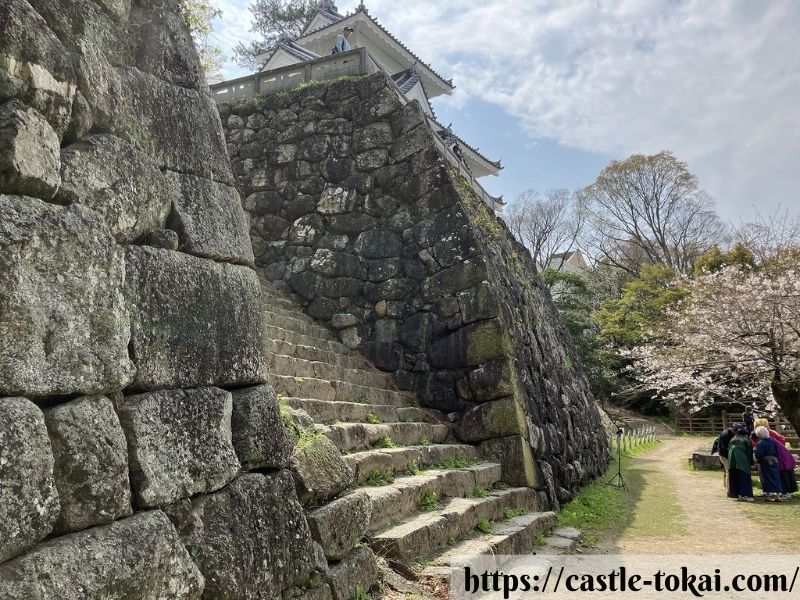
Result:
[[353, 207]]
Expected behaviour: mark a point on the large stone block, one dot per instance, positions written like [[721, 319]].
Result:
[[178, 127], [179, 443], [110, 176], [63, 317], [91, 463], [28, 496], [34, 65], [29, 162], [251, 540], [319, 470], [460, 276], [358, 570], [259, 436], [339, 525], [138, 558], [514, 454], [194, 322], [492, 419], [471, 345], [209, 219]]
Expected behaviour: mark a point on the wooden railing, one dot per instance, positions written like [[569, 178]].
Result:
[[714, 424], [350, 63]]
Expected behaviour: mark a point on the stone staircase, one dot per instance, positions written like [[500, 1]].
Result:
[[432, 497]]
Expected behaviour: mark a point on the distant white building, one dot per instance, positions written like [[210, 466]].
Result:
[[570, 262]]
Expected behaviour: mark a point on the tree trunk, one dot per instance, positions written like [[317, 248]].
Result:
[[788, 397]]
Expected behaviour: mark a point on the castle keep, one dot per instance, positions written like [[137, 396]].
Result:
[[254, 336]]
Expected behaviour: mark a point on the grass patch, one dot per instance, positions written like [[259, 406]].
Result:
[[479, 492], [372, 419], [510, 513], [362, 400], [540, 539], [361, 593], [384, 442], [649, 508], [380, 477], [413, 469], [424, 441], [457, 463], [484, 526], [429, 502]]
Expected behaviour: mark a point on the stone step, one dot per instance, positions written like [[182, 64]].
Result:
[[396, 460], [279, 333], [327, 413], [563, 540], [298, 325], [422, 534], [297, 367], [339, 391], [349, 437], [312, 353], [515, 536], [401, 497]]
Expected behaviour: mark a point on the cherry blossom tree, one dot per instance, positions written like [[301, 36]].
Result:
[[737, 335]]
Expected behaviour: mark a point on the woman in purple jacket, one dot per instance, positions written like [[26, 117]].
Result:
[[767, 457]]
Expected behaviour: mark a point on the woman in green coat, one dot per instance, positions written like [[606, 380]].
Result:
[[740, 459]]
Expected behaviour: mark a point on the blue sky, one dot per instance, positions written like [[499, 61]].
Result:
[[559, 88]]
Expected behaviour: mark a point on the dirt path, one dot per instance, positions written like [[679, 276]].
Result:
[[705, 520]]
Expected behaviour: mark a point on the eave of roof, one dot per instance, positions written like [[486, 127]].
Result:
[[496, 164], [445, 83]]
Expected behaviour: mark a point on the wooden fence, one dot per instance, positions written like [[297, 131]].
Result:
[[713, 425]]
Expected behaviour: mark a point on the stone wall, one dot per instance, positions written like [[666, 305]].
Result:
[[132, 370], [354, 208]]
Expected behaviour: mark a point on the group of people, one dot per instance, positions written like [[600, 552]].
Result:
[[741, 446]]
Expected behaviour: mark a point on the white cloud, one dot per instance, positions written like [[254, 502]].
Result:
[[715, 81]]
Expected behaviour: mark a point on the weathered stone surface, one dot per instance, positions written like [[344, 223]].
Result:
[[209, 219], [469, 346], [378, 243], [491, 381], [160, 43], [514, 453], [336, 200], [34, 65], [250, 540], [320, 472], [29, 161], [61, 277], [91, 463], [459, 277], [178, 127], [140, 558], [179, 443], [194, 322], [339, 525], [357, 570], [110, 176], [492, 419], [259, 436], [28, 497]]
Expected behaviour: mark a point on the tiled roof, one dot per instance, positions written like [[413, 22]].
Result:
[[407, 79], [445, 132], [363, 9], [297, 51]]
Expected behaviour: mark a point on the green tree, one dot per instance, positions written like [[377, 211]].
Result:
[[274, 20], [715, 259], [576, 300], [199, 16], [633, 317]]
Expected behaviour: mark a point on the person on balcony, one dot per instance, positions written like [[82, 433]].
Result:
[[342, 45]]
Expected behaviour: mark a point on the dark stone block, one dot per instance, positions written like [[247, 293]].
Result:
[[378, 243], [387, 356], [478, 303], [492, 380], [416, 332], [341, 286], [351, 223], [306, 284], [257, 430], [323, 308], [469, 346], [391, 289], [454, 279]]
